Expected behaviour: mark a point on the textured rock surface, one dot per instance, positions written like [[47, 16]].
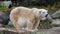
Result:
[[56, 21], [56, 14], [4, 18]]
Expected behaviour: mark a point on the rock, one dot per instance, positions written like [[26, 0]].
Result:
[[4, 18], [56, 21], [10, 23], [51, 11], [49, 18], [55, 28], [56, 14]]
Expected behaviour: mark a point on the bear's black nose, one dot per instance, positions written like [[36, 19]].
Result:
[[46, 15]]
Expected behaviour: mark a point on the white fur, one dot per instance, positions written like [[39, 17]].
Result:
[[43, 13], [36, 12], [22, 21], [22, 16]]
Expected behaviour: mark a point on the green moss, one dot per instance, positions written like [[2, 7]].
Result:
[[6, 26]]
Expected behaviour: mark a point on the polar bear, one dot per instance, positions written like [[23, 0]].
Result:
[[27, 18]]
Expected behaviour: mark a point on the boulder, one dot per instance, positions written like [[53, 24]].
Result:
[[56, 14], [4, 19]]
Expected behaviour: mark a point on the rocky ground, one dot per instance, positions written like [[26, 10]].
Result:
[[54, 30]]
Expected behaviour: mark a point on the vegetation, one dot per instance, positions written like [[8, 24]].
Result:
[[50, 4], [37, 3]]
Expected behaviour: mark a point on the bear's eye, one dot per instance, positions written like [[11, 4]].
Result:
[[43, 12]]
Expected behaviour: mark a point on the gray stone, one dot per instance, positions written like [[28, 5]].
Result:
[[56, 21], [56, 14], [4, 18], [10, 23]]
